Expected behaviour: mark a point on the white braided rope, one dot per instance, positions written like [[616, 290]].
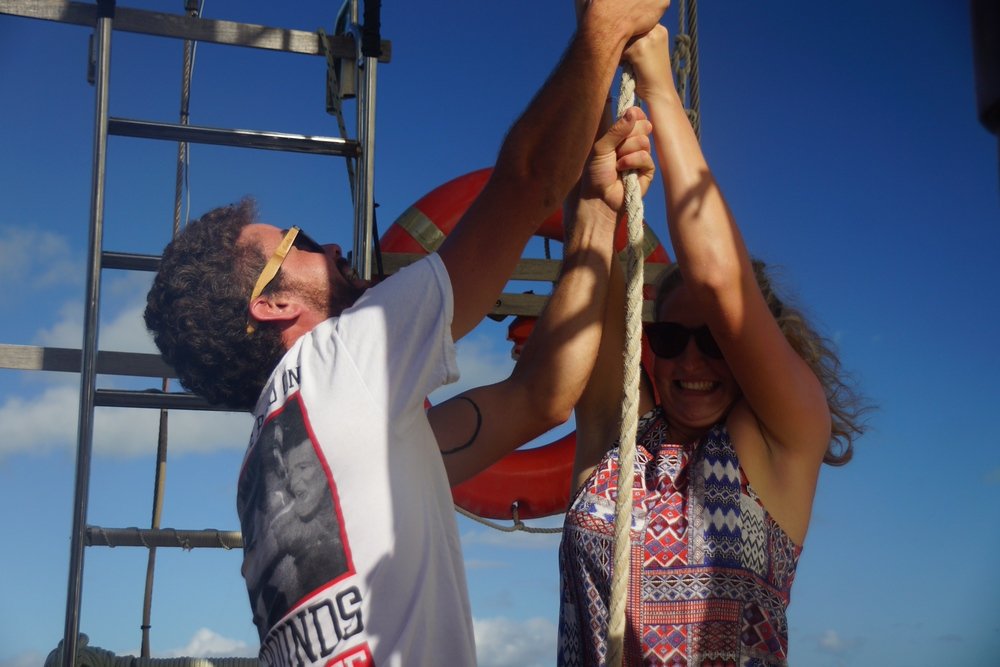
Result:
[[630, 396]]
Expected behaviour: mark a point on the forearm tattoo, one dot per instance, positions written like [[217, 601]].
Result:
[[475, 434]]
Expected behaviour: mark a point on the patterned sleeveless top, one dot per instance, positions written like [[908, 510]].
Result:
[[711, 571]]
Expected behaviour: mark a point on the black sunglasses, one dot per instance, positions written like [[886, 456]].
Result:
[[668, 339], [304, 242]]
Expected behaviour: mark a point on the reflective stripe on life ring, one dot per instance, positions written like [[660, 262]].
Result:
[[537, 479]]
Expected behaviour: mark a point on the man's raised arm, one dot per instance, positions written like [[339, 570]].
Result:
[[541, 158]]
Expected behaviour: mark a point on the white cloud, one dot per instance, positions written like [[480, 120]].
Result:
[[209, 644], [41, 423], [68, 329], [45, 256], [30, 659], [502, 642], [831, 641], [127, 332], [121, 328], [132, 432], [49, 421], [204, 644]]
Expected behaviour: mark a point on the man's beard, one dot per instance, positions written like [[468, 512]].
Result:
[[343, 298]]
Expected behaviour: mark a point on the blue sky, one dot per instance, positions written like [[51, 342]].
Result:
[[845, 138]]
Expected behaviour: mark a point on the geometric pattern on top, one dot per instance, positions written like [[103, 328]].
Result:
[[711, 568]]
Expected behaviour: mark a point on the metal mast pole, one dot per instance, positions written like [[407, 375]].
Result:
[[369, 50]]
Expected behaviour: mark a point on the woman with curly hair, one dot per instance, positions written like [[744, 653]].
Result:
[[745, 403]]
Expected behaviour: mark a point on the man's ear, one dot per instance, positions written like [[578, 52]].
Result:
[[276, 307]]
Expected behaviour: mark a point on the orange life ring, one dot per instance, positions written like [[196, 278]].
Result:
[[536, 479]]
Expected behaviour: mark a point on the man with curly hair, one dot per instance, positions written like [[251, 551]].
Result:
[[260, 318]]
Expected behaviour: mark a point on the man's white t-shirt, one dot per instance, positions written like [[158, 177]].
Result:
[[351, 550]]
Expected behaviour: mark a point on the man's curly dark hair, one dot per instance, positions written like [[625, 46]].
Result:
[[197, 309]]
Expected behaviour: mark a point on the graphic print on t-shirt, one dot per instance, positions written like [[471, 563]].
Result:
[[293, 543]]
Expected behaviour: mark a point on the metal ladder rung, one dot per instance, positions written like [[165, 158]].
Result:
[[129, 261], [97, 536], [152, 398], [64, 359], [189, 27], [275, 141]]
